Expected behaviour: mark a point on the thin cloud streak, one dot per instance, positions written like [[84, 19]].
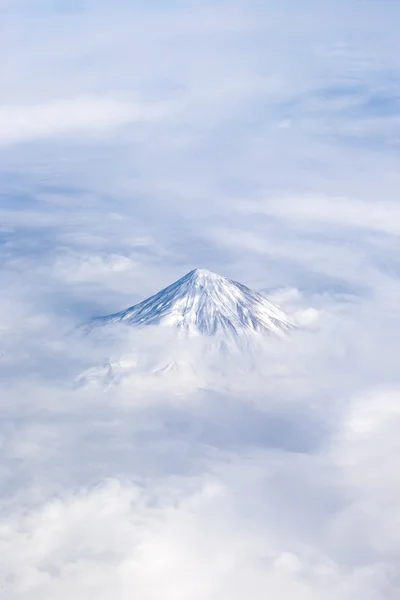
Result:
[[80, 116]]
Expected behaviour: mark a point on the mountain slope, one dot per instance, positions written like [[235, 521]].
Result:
[[203, 303]]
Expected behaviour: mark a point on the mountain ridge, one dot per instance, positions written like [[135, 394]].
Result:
[[206, 304]]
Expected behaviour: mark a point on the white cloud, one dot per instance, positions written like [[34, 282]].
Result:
[[308, 210], [269, 489], [71, 117], [204, 537]]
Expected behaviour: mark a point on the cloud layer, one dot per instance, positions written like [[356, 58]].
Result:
[[138, 142]]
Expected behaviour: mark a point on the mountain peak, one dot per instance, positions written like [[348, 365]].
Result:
[[204, 277], [204, 303], [202, 273]]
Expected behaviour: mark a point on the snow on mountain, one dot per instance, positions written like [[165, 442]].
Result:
[[202, 330], [204, 303]]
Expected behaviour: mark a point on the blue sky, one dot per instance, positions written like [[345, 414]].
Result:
[[256, 139]]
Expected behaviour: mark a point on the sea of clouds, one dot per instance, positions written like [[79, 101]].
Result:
[[140, 140]]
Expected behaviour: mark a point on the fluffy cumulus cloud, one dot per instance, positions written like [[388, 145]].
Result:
[[137, 142]]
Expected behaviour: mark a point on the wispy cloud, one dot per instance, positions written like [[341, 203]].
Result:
[[80, 116]]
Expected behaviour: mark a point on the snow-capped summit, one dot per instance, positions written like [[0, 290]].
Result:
[[204, 303]]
